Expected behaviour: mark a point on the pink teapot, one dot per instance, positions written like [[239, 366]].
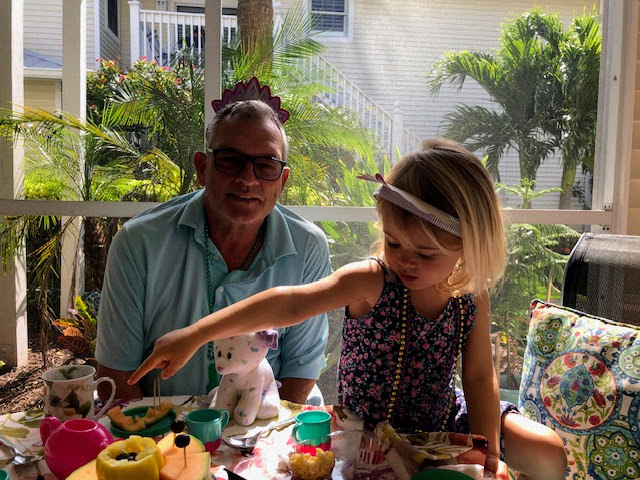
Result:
[[69, 445]]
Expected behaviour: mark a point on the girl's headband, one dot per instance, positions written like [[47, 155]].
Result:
[[414, 205]]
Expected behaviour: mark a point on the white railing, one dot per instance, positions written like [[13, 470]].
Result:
[[160, 34], [313, 214]]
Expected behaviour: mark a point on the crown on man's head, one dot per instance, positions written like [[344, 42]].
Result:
[[251, 91]]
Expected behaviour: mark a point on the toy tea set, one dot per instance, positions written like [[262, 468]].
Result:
[[77, 447]]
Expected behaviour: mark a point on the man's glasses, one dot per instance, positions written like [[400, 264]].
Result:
[[231, 162]]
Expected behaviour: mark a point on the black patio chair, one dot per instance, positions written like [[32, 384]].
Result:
[[602, 277]]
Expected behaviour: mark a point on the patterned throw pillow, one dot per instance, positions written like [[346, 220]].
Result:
[[581, 377]]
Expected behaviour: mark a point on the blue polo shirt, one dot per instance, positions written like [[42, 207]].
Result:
[[156, 282]]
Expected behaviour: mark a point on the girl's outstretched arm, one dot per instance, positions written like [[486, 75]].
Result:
[[274, 308], [481, 386]]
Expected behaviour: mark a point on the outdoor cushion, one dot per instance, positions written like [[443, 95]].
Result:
[[581, 377]]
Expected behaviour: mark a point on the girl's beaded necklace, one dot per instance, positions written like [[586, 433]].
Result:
[[213, 375], [400, 361]]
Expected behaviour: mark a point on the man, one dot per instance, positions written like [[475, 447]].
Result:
[[173, 264]]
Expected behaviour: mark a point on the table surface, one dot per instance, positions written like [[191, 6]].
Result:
[[22, 430]]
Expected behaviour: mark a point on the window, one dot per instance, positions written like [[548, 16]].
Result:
[[188, 9], [112, 16], [330, 16]]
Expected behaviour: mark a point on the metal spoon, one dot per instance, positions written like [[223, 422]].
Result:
[[20, 458], [247, 443]]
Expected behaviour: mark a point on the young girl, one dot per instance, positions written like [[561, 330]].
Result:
[[411, 312]]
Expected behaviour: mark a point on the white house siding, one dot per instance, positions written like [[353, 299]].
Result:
[[396, 42], [42, 93], [43, 29], [110, 43]]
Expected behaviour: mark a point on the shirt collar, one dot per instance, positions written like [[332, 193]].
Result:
[[278, 241]]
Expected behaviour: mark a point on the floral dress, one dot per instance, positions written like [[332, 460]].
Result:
[[426, 399]]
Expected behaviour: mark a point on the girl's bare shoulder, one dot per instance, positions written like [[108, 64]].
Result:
[[364, 270], [368, 278]]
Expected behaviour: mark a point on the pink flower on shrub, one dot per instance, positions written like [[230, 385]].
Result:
[[547, 401], [569, 361], [597, 369], [594, 419]]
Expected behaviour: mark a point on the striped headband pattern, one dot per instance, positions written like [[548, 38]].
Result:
[[414, 205]]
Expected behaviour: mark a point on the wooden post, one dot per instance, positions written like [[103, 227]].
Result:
[[74, 100], [134, 29], [13, 283], [212, 56]]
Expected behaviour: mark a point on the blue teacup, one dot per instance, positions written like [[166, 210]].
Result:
[[206, 425]]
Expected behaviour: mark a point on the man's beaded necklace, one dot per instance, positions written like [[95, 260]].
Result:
[[400, 361], [213, 376]]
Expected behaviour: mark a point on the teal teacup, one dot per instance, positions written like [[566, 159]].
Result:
[[206, 425], [312, 430]]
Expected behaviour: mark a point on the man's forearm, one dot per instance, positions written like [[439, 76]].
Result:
[[123, 389], [296, 389]]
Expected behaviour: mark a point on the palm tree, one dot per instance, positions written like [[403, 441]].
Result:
[[515, 77], [255, 23], [313, 127], [534, 269], [573, 98], [164, 109], [66, 159]]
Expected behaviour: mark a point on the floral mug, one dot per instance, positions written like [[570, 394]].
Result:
[[70, 392]]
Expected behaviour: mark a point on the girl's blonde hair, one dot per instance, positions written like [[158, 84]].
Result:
[[449, 177]]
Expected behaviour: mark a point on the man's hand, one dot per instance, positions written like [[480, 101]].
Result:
[[170, 353]]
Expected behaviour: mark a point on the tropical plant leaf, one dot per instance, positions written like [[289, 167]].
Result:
[[76, 345], [72, 332]]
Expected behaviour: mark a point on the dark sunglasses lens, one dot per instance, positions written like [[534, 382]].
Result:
[[266, 168], [229, 162]]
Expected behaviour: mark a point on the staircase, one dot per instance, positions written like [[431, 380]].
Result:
[[386, 126]]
